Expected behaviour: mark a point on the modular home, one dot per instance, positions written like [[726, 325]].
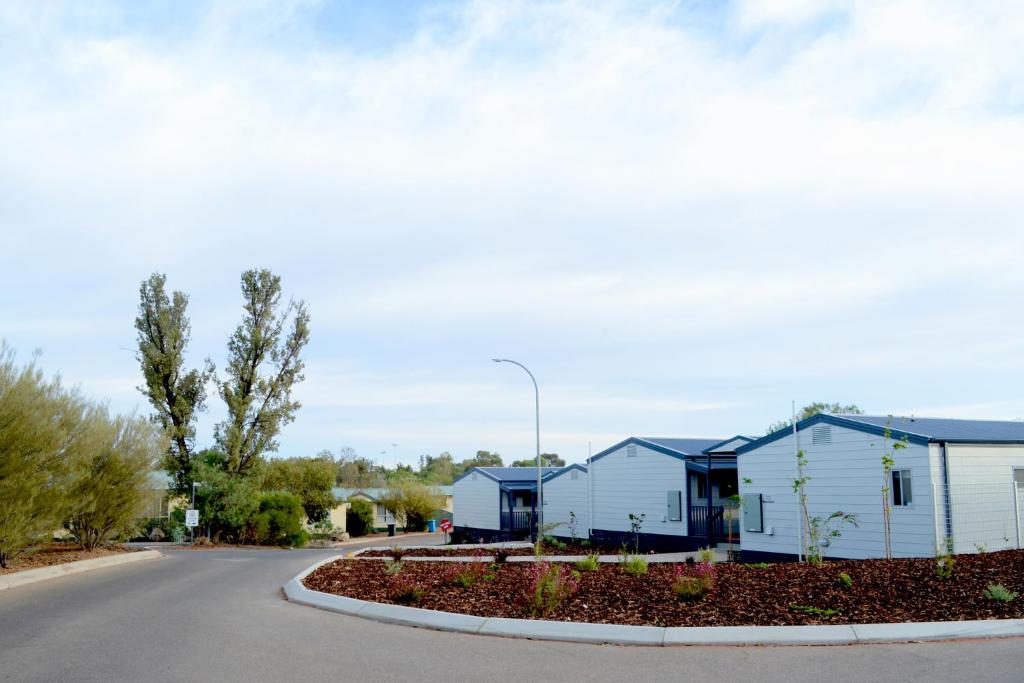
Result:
[[660, 487], [496, 503], [566, 499], [954, 481], [381, 515]]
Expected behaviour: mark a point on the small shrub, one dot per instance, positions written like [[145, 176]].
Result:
[[845, 580], [997, 591], [585, 543], [550, 585], [396, 553], [814, 611], [706, 554], [693, 587], [359, 517], [588, 564], [759, 565], [634, 565], [394, 568], [465, 574], [944, 561], [406, 591]]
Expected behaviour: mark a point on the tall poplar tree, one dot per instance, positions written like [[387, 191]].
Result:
[[264, 362], [178, 395]]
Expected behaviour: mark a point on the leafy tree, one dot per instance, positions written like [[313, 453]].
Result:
[[352, 470], [359, 517], [440, 470], [546, 460], [311, 479], [225, 500], [277, 520], [178, 395], [412, 502], [812, 409], [264, 363], [39, 422], [482, 459], [109, 477]]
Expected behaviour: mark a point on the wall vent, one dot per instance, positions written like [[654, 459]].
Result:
[[821, 434], [473, 478], [631, 450], [574, 475]]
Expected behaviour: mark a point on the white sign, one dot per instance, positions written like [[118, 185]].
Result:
[[191, 518]]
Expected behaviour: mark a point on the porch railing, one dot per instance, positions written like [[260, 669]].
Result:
[[517, 520], [698, 521]]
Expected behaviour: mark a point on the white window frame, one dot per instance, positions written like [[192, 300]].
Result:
[[905, 474]]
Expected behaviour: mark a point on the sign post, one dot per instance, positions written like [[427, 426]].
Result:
[[446, 526], [192, 521]]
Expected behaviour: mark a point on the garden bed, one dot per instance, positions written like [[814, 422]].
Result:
[[57, 553], [441, 551], [878, 591]]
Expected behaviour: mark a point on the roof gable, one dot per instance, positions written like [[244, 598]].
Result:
[[568, 468], [675, 448]]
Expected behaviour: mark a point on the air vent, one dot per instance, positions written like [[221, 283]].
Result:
[[631, 450], [473, 478], [574, 475], [821, 434]]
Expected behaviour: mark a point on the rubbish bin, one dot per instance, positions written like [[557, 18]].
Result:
[[391, 529], [432, 525]]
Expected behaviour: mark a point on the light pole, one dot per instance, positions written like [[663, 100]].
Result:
[[540, 490]]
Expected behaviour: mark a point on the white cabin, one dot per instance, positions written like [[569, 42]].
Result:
[[955, 479], [567, 503], [496, 503]]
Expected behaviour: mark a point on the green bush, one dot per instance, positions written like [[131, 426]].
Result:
[[589, 564], [845, 580], [359, 517], [999, 592], [634, 565], [278, 520]]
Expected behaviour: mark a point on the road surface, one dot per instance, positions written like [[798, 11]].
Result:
[[219, 615]]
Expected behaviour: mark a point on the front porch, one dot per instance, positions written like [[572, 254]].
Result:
[[717, 520], [518, 510]]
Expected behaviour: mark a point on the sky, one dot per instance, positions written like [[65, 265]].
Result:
[[681, 216]]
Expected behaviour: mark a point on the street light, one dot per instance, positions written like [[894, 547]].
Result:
[[536, 398]]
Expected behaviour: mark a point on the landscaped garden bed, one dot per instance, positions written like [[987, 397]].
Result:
[[840, 592], [442, 551], [57, 553]]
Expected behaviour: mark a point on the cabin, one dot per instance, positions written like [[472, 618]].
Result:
[[954, 482], [566, 497], [381, 515], [496, 503], [665, 494]]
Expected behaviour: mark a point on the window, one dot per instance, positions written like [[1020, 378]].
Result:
[[821, 434], [702, 488], [1018, 477], [631, 450], [675, 506], [902, 493], [381, 510]]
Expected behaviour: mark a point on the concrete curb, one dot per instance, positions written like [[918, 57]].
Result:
[[44, 573], [618, 634]]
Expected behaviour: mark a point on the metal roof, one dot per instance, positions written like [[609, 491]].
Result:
[[919, 430], [684, 446], [376, 492]]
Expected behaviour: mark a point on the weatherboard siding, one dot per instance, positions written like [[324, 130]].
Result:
[[562, 495], [845, 475], [982, 496], [476, 502], [639, 485]]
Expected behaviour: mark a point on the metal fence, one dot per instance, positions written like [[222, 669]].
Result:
[[980, 517]]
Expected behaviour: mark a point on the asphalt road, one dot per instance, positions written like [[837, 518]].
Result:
[[219, 615]]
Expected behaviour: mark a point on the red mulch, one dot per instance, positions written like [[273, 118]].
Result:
[[56, 553], [442, 551], [883, 591]]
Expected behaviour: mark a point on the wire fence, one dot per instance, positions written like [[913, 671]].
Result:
[[980, 517]]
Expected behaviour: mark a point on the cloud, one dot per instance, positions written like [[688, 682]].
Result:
[[680, 213]]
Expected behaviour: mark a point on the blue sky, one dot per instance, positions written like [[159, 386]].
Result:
[[681, 216]]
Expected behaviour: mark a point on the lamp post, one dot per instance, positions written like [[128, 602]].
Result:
[[540, 490]]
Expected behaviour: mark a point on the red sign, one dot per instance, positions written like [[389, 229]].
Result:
[[446, 525]]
